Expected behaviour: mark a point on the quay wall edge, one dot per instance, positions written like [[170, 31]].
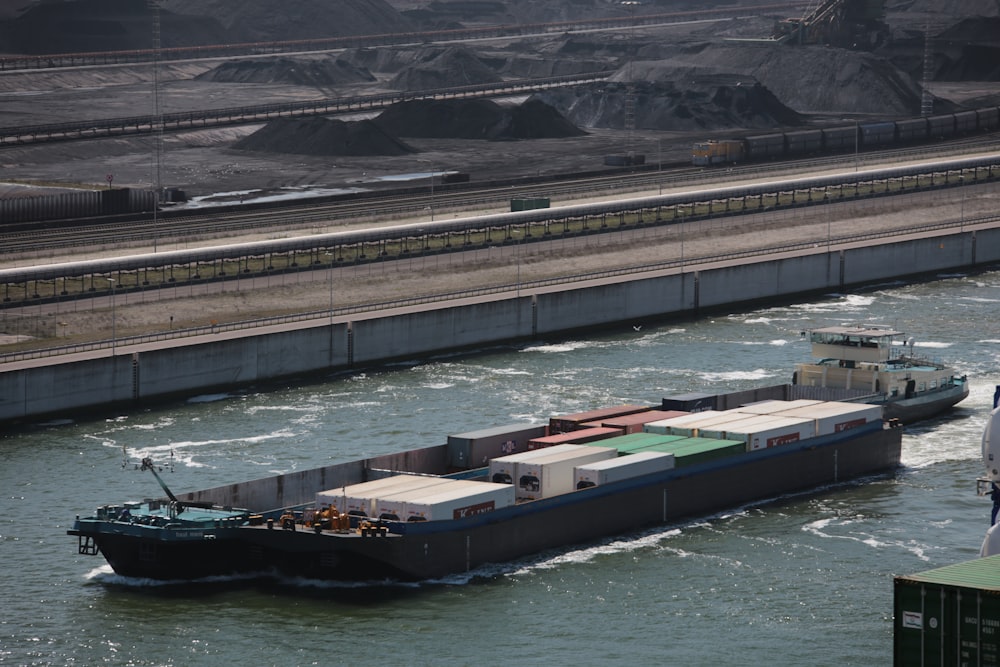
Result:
[[182, 368]]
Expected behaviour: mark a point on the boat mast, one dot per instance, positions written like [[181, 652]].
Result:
[[147, 464]]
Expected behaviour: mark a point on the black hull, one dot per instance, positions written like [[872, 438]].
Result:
[[149, 557], [580, 517], [912, 410]]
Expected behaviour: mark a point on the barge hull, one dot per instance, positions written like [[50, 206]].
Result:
[[424, 551]]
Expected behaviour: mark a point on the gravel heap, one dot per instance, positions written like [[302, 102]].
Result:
[[323, 136]]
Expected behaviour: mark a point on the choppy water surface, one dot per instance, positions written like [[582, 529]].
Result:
[[804, 580]]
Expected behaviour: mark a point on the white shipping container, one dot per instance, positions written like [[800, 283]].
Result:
[[834, 417], [552, 475], [622, 467], [742, 421], [696, 427], [392, 505], [503, 469], [357, 498], [771, 432], [662, 426], [770, 407], [457, 503]]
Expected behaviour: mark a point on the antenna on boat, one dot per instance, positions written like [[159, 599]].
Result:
[[147, 464]]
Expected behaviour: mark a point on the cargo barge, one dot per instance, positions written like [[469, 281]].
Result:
[[487, 497]]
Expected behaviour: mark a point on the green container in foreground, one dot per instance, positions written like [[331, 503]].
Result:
[[948, 616], [689, 451], [626, 444]]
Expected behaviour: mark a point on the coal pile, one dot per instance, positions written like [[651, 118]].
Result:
[[101, 25], [323, 136], [476, 119], [705, 104], [454, 66], [266, 21], [320, 73], [970, 51]]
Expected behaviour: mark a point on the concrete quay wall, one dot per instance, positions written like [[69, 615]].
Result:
[[130, 376]]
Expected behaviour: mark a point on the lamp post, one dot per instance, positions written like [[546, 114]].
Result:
[[961, 215], [517, 257], [114, 318]]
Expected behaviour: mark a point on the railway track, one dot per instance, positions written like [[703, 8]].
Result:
[[390, 208]]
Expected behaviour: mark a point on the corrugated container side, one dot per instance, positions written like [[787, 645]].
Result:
[[553, 475], [633, 423], [503, 469], [772, 406], [358, 499], [948, 616], [662, 426], [336, 498], [693, 402], [391, 505], [621, 468], [696, 427], [460, 503], [773, 433], [699, 450], [475, 448], [635, 441], [743, 424], [580, 437], [571, 422], [834, 417]]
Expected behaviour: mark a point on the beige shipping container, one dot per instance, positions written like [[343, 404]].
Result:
[[834, 417], [774, 406], [357, 498], [552, 475], [459, 502], [392, 505], [662, 426], [621, 468], [503, 469], [771, 431]]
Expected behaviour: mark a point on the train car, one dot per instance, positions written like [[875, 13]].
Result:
[[877, 134], [804, 142], [718, 152], [765, 146], [941, 127], [965, 122], [911, 130], [839, 139], [988, 120]]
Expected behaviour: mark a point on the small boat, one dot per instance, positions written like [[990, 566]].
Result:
[[873, 365]]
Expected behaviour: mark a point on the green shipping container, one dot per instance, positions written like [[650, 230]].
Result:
[[948, 616], [528, 203], [626, 444], [689, 451]]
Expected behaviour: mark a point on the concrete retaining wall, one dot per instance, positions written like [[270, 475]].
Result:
[[182, 367]]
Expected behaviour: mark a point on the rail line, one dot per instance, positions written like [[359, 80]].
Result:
[[304, 217], [83, 279]]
